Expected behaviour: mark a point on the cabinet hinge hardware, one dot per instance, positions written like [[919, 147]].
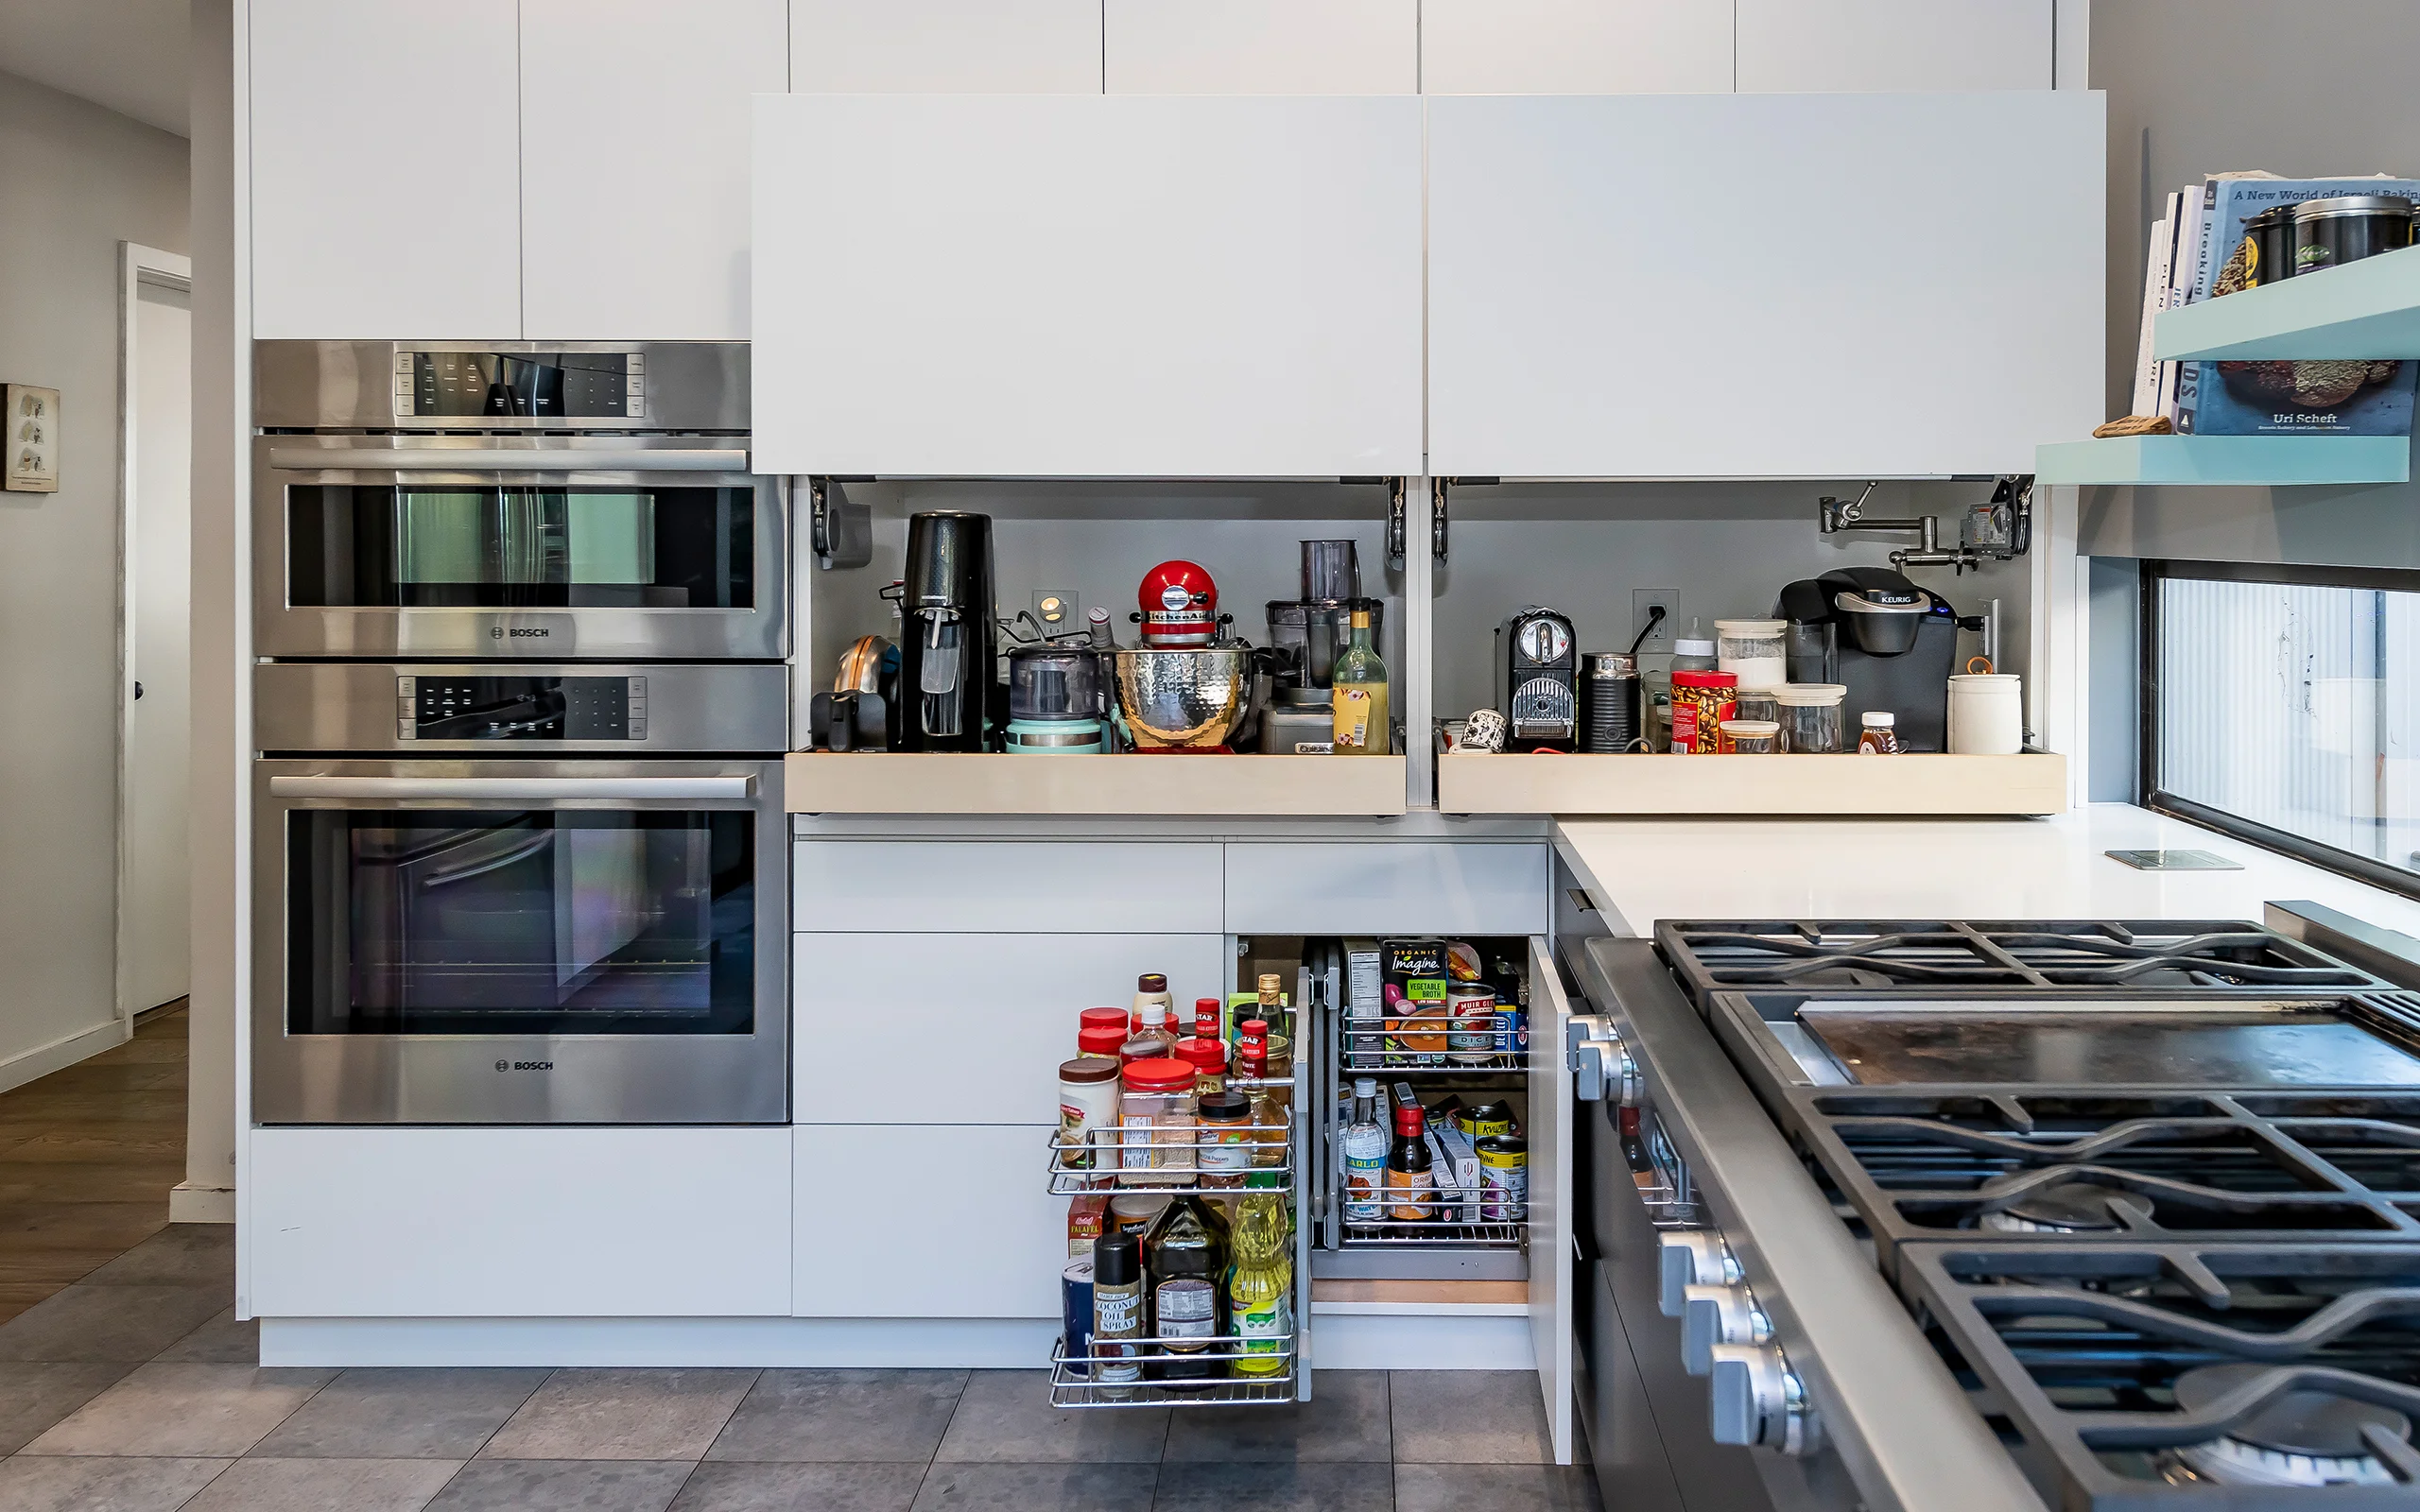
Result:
[[1396, 526], [1437, 517], [841, 533]]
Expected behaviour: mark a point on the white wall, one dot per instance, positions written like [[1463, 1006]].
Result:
[[75, 180]]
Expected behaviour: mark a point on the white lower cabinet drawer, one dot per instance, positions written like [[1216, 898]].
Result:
[[520, 1222], [1386, 888], [863, 999], [909, 1221], [954, 886]]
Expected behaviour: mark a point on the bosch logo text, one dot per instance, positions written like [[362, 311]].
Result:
[[519, 632]]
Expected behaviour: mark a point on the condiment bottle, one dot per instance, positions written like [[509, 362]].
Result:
[[1879, 735], [1210, 1019], [1153, 1038], [1225, 1153], [1267, 1108], [1120, 1020], [1208, 1057], [1087, 1103], [1118, 1312], [1100, 1039], [1151, 987], [1412, 1187], [1184, 1261], [1270, 1011], [1365, 1157]]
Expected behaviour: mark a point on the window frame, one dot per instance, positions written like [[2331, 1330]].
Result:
[[2157, 571]]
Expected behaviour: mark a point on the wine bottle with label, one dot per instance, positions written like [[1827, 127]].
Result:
[[1364, 723]]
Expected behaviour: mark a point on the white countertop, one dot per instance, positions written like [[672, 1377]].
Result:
[[1647, 870]]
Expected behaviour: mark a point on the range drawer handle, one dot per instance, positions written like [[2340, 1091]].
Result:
[[502, 459], [513, 789]]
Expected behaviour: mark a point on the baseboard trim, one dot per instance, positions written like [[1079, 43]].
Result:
[[29, 1065], [188, 1203]]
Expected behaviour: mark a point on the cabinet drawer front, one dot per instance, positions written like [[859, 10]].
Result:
[[969, 1232], [1386, 888], [520, 1222], [941, 887], [863, 999]]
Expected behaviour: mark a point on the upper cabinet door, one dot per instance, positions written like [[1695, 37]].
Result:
[[1056, 287], [1575, 47], [385, 170], [1893, 45], [946, 47], [1761, 285], [634, 163], [1260, 46]]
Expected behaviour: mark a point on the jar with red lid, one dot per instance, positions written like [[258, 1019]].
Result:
[[1100, 1039], [1208, 1059], [1700, 703], [1157, 1110], [1120, 1020]]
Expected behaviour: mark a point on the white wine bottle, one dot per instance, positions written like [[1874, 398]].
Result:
[[1364, 725]]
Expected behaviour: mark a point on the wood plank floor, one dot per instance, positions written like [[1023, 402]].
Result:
[[87, 1158]]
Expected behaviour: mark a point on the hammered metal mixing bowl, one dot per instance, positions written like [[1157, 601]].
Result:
[[1189, 698]]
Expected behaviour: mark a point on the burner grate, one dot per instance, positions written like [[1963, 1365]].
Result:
[[2256, 1377]]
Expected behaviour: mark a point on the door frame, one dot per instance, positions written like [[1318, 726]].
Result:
[[138, 265]]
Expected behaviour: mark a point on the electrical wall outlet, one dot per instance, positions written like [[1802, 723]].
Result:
[[1643, 602], [1058, 611]]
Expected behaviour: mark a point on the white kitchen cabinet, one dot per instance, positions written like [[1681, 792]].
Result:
[[519, 1222], [1893, 45], [1552, 1136], [1022, 887], [946, 47], [1575, 47], [927, 1222], [634, 122], [1592, 316], [1056, 287], [860, 997], [1386, 887], [386, 184], [1260, 46]]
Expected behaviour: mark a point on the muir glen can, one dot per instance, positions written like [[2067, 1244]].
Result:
[[1503, 1178], [1469, 1023]]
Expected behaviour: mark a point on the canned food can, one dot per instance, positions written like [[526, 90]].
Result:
[[1512, 1029], [1503, 1178], [1471, 1034], [1487, 1120], [1075, 1312]]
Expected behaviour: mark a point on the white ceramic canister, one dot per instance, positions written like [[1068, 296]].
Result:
[[1754, 650], [1986, 715]]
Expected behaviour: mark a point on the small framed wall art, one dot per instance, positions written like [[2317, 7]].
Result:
[[32, 438]]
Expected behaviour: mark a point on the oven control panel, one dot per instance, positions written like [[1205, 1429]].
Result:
[[520, 708], [536, 385]]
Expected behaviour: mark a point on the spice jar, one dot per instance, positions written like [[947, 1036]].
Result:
[[1131, 1213], [1879, 735], [1100, 1039], [1118, 1019], [1225, 1143], [1156, 1115], [1752, 650], [1810, 717], [1087, 1105], [1757, 703], [1701, 701], [1748, 737], [1208, 1059]]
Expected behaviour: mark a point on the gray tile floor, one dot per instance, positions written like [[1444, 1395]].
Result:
[[133, 1391]]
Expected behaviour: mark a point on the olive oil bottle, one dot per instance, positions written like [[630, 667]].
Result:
[[1260, 1289], [1364, 723]]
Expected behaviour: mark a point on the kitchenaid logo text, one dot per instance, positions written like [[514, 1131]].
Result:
[[525, 1065], [517, 631]]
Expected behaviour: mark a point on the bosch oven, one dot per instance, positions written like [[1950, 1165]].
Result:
[[512, 499]]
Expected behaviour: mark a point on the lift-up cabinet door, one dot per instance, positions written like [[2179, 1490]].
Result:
[[1551, 1313], [1072, 286], [1762, 286]]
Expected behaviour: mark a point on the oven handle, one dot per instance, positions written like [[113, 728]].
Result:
[[512, 789], [499, 459]]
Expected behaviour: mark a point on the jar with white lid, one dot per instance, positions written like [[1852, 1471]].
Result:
[[1752, 650], [1810, 717]]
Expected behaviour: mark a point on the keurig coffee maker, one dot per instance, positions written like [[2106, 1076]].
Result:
[[946, 633], [1890, 644], [1537, 680]]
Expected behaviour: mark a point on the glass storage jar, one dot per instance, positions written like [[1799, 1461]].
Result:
[[1157, 1116], [1752, 651], [1810, 717], [1748, 737]]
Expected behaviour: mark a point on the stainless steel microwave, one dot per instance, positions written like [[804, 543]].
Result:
[[474, 500]]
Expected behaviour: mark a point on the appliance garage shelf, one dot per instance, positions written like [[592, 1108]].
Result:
[[1907, 785], [2227, 459], [2368, 309], [1241, 786]]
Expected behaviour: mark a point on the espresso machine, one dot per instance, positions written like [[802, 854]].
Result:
[[947, 637], [1537, 680], [1892, 644], [1308, 634]]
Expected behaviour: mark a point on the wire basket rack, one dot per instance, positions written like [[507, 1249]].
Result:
[[1074, 1381], [1174, 1157], [1434, 1044]]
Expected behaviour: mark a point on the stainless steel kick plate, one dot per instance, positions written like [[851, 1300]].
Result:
[[2175, 860]]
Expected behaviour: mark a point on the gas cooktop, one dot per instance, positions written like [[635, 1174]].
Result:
[[1870, 957]]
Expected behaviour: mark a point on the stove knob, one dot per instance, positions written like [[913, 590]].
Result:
[[1718, 1314], [1692, 1256], [1757, 1402]]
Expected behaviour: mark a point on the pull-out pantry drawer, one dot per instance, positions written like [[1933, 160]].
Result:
[[918, 1222], [520, 1222], [953, 887], [1008, 1000]]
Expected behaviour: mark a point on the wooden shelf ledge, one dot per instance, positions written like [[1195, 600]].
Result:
[[1910, 784], [1238, 787]]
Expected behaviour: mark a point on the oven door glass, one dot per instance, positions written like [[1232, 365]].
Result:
[[534, 923], [451, 546]]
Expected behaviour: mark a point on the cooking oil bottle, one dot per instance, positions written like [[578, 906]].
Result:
[[1364, 725], [1260, 1290]]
